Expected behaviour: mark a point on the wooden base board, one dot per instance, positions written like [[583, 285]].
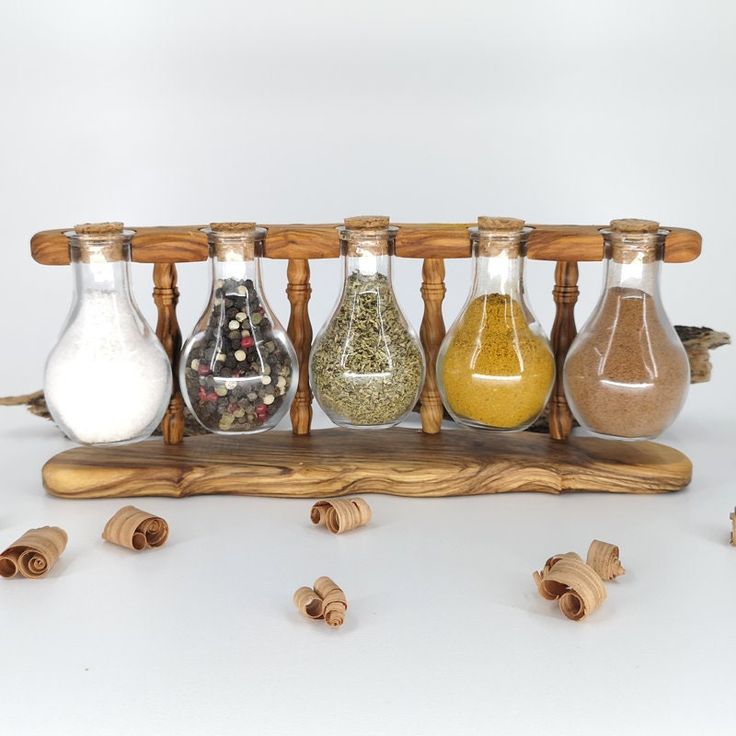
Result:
[[334, 462]]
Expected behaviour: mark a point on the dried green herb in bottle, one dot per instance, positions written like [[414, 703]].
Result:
[[367, 367]]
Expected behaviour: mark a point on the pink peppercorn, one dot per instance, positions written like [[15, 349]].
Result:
[[203, 369], [247, 342], [211, 396], [261, 411]]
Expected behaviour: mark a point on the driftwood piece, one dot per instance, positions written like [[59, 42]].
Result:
[[698, 342], [35, 402]]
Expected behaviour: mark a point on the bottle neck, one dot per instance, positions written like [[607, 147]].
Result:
[[367, 252], [367, 265], [640, 274], [236, 259], [101, 268], [634, 260], [499, 274], [237, 270]]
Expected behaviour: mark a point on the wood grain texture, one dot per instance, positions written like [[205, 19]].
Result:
[[298, 291], [565, 296], [166, 297], [334, 462], [432, 332], [186, 243]]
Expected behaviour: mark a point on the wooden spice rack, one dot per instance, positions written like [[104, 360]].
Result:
[[399, 461]]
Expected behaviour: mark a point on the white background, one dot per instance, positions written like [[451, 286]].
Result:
[[186, 112]]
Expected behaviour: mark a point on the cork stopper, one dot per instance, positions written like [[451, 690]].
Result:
[[233, 228], [631, 240], [235, 241], [634, 226], [367, 235], [500, 224], [99, 228], [497, 236], [367, 222], [98, 242]]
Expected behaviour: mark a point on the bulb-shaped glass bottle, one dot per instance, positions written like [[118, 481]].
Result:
[[366, 365], [627, 374], [238, 370], [108, 379], [495, 368]]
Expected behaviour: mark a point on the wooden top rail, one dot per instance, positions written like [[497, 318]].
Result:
[[187, 243]]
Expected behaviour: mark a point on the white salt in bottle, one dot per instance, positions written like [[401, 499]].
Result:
[[108, 379]]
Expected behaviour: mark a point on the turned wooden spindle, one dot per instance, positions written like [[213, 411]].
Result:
[[166, 297], [563, 333], [431, 332], [298, 291]]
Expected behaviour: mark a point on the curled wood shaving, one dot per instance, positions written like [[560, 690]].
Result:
[[604, 559], [34, 554], [308, 602], [318, 513], [572, 605], [733, 527], [135, 529], [548, 589], [341, 514], [333, 597], [575, 585], [582, 587]]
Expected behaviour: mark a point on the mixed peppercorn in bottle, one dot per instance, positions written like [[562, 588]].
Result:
[[238, 371]]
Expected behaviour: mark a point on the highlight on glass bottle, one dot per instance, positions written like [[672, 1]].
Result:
[[627, 374], [366, 365], [495, 367], [108, 379], [238, 371]]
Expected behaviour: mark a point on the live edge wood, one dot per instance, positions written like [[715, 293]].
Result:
[[334, 462], [184, 244]]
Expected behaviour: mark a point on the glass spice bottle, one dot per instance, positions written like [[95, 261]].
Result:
[[366, 365], [627, 374], [495, 367], [238, 370], [108, 379]]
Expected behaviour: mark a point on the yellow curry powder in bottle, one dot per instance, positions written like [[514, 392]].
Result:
[[495, 366]]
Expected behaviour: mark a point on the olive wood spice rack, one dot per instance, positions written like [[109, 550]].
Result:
[[399, 461]]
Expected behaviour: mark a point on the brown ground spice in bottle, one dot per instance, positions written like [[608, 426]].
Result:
[[625, 376]]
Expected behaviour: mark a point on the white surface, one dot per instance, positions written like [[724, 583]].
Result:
[[445, 633], [181, 112]]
